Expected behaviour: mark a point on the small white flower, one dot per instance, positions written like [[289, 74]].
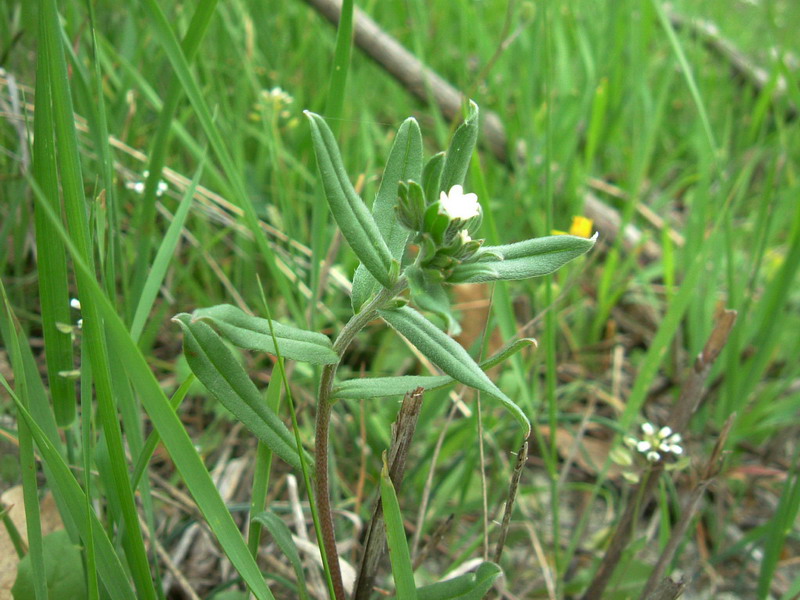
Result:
[[465, 236], [280, 95], [655, 442], [138, 186], [75, 303], [458, 205]]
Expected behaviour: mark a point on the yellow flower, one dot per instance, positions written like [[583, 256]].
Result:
[[581, 227]]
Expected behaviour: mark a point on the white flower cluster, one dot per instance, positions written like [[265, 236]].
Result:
[[138, 186], [277, 96], [655, 443]]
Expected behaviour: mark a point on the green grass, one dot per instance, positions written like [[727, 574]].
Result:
[[585, 90]]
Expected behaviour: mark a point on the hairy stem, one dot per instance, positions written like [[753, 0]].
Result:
[[324, 407]]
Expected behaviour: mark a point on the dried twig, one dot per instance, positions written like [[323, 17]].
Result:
[[433, 540], [522, 458], [691, 394], [375, 540]]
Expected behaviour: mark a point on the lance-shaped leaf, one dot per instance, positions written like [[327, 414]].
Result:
[[378, 387], [531, 258], [216, 368], [459, 154], [448, 355], [470, 586], [351, 214], [253, 333], [404, 164]]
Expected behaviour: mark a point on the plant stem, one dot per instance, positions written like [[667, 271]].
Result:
[[324, 407]]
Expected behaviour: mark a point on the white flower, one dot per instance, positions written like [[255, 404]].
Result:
[[465, 236], [458, 205], [75, 303], [138, 186], [655, 442], [279, 96]]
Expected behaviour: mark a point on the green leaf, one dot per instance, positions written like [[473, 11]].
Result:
[[50, 254], [378, 387], [404, 164], [253, 333], [431, 296], [448, 355], [470, 586], [283, 538], [217, 368], [402, 571], [432, 177], [63, 570], [459, 154], [531, 258], [351, 214]]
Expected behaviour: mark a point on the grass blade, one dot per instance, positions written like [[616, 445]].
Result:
[[402, 571], [27, 460], [283, 538], [162, 260]]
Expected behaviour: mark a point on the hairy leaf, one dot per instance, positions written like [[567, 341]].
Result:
[[253, 333], [351, 214], [216, 368], [531, 258], [448, 355]]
